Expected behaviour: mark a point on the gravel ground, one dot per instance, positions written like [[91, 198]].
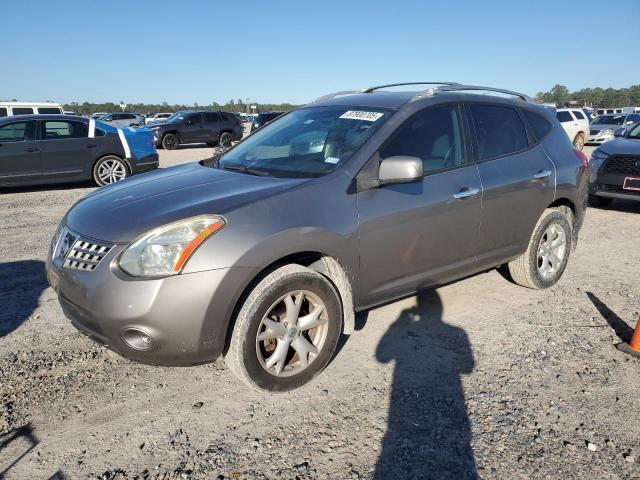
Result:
[[479, 378]]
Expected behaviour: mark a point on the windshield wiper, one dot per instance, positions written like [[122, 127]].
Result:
[[247, 170]]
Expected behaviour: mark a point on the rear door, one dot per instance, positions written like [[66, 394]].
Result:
[[418, 234], [518, 181], [65, 146], [213, 123], [19, 152]]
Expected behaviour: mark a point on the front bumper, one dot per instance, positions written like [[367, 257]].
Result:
[[186, 315], [598, 139]]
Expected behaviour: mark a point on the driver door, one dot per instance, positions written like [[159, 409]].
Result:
[[423, 233], [191, 132]]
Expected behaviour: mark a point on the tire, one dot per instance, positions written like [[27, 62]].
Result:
[[529, 270], [578, 142], [110, 169], [225, 140], [601, 202], [249, 358], [170, 141]]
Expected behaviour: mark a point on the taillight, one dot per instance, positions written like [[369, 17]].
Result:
[[583, 158], [238, 124]]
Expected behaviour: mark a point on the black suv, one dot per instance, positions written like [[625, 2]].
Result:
[[192, 126], [263, 119]]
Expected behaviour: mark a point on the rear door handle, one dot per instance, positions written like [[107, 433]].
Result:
[[466, 192], [542, 174], [92, 146], [31, 150]]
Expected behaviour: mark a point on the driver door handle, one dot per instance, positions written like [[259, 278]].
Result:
[[466, 192], [31, 150], [542, 174]]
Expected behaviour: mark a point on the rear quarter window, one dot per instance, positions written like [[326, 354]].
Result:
[[578, 114], [49, 110], [540, 125], [3, 112]]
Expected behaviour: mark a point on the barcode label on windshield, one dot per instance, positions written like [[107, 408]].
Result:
[[356, 115]]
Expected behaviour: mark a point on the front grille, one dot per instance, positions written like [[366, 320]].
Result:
[[85, 255], [616, 189], [622, 166], [594, 132]]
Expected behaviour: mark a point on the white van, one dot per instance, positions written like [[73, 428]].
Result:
[[28, 108]]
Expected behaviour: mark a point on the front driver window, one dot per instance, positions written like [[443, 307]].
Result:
[[634, 132], [432, 135]]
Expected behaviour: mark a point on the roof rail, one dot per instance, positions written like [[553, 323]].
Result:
[[329, 96], [457, 88], [371, 89]]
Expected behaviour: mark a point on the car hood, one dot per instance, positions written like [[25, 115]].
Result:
[[604, 126], [621, 146], [123, 211]]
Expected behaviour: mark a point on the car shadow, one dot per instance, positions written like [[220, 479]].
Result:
[[21, 284], [429, 433], [619, 326], [620, 205]]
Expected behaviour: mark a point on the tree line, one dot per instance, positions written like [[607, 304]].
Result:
[[88, 108], [592, 97]]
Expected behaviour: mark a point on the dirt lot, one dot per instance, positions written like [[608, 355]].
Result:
[[480, 378]]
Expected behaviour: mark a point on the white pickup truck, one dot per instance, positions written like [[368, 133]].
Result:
[[576, 124]]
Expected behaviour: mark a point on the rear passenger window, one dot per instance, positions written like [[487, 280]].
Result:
[[538, 123], [17, 132], [22, 111], [578, 114], [564, 117], [3, 112], [211, 117], [499, 131], [433, 135], [60, 130]]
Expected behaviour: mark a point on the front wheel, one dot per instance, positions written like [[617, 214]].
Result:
[[170, 141], [286, 331], [109, 169], [546, 257]]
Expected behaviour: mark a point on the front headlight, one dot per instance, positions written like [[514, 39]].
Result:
[[598, 154], [165, 250], [607, 131]]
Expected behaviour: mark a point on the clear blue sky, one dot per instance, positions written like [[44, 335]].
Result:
[[275, 51]]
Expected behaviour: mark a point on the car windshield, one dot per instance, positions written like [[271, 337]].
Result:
[[308, 142], [176, 116], [608, 120]]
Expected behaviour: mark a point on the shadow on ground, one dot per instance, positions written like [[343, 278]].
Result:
[[429, 434], [622, 329], [21, 284], [16, 445]]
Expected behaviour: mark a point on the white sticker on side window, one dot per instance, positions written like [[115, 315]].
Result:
[[333, 160], [357, 115]]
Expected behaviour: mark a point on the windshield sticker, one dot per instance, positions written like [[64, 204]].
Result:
[[333, 160], [356, 115], [308, 122]]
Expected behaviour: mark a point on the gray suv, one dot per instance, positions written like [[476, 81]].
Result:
[[265, 253], [123, 119]]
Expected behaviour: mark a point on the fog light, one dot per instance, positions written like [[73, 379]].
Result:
[[137, 339]]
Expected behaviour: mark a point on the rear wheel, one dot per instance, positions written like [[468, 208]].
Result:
[[601, 202], [578, 142], [225, 140], [546, 257], [170, 141], [286, 331], [110, 169]]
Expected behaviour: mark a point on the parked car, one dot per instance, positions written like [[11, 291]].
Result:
[[39, 149], [263, 118], [575, 123], [193, 126], [157, 117], [602, 127], [123, 119], [26, 108], [97, 115], [615, 168], [265, 252]]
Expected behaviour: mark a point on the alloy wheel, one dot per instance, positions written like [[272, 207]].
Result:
[[551, 251], [111, 171], [292, 333]]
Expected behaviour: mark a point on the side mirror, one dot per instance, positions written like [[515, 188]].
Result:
[[400, 169], [619, 132]]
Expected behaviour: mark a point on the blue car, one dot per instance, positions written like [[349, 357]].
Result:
[[41, 149]]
